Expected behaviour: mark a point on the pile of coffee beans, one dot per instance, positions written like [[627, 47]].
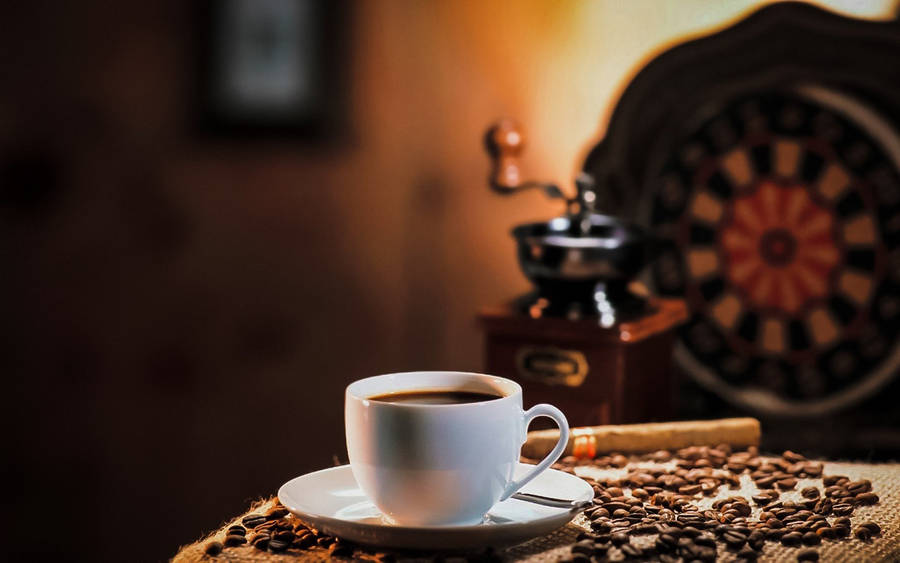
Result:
[[665, 499], [669, 506], [276, 531]]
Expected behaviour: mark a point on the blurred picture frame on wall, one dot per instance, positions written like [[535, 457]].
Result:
[[272, 69]]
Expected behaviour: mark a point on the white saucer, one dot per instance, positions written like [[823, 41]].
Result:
[[332, 502]]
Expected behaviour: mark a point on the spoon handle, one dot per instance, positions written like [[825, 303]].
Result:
[[573, 505]]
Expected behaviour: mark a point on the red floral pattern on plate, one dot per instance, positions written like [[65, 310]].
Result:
[[779, 247]]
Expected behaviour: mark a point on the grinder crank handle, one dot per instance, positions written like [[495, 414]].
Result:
[[504, 143]]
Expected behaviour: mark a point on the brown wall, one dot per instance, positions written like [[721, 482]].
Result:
[[181, 315]]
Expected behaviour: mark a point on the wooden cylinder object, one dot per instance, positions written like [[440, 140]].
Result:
[[641, 438]]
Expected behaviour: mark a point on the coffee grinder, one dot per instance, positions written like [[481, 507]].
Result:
[[588, 338]]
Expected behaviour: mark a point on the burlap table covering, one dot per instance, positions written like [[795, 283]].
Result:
[[885, 480]]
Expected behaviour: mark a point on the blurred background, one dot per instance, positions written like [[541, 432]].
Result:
[[190, 282]]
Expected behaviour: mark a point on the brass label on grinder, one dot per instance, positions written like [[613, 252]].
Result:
[[551, 365]]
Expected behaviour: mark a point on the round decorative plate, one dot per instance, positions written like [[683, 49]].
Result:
[[783, 216]]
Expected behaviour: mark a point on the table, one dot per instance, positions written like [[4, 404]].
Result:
[[885, 479]]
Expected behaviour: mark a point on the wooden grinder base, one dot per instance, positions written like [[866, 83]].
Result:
[[595, 375]]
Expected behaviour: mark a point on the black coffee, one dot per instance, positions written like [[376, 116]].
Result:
[[435, 397]]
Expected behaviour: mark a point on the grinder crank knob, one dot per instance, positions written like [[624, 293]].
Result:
[[504, 142]]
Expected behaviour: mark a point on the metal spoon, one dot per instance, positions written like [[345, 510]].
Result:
[[572, 505]]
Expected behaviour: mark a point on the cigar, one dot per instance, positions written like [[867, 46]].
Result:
[[588, 441]]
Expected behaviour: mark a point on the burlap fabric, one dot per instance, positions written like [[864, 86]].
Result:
[[885, 480]]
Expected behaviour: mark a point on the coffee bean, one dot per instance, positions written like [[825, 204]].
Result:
[[792, 539], [796, 469], [325, 541], [276, 546], [766, 482], [872, 527], [830, 480], [237, 530], [813, 469], [817, 524], [213, 548], [663, 546], [863, 534], [260, 542], [632, 551], [285, 536], [669, 539], [783, 513], [691, 519], [663, 501], [253, 520], [277, 512], [834, 490], [787, 483], [823, 506], [842, 509], [861, 486], [585, 546], [304, 542], [599, 512], [811, 538], [757, 544], [690, 490], [234, 539], [810, 492], [734, 539], [670, 530], [808, 555]]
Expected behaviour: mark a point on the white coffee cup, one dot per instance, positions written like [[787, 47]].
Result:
[[432, 465]]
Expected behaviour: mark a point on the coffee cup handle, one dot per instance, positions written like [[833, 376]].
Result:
[[534, 412]]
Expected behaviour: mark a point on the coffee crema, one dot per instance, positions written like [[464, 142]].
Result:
[[435, 397]]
